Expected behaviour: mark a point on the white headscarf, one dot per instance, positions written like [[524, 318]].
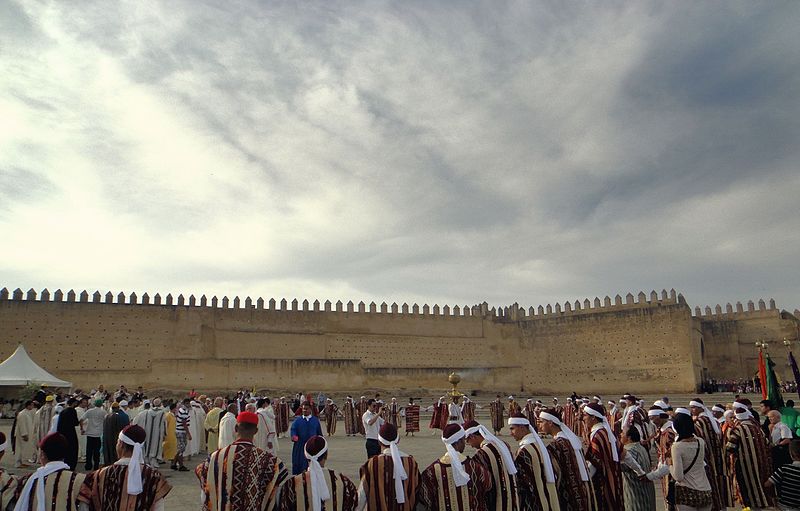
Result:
[[319, 489], [135, 465], [460, 476], [399, 473], [574, 441], [501, 446], [742, 415], [37, 478], [548, 465], [611, 438], [707, 413]]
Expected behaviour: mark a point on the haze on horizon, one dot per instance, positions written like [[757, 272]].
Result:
[[429, 152]]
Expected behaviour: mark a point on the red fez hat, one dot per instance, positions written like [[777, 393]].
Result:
[[54, 446], [450, 430], [135, 433], [517, 415], [388, 432], [247, 418], [471, 424], [315, 444]]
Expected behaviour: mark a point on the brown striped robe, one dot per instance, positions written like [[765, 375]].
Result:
[[295, 494], [503, 496], [573, 493], [240, 477], [752, 462], [331, 413], [496, 412], [61, 491], [607, 480], [439, 417], [438, 491], [666, 437], [570, 417], [377, 482], [412, 418], [361, 409], [8, 486], [350, 419], [107, 489], [282, 411], [715, 463], [535, 493], [468, 411]]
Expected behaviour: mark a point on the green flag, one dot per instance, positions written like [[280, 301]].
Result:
[[773, 388]]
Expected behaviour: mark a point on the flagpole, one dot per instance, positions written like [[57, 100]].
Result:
[[793, 365], [762, 368]]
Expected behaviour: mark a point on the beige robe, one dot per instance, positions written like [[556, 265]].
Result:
[[25, 426]]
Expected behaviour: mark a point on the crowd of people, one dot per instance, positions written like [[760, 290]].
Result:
[[578, 455]]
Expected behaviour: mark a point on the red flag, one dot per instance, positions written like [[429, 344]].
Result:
[[762, 374]]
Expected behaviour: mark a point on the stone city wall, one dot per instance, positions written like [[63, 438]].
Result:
[[649, 343]]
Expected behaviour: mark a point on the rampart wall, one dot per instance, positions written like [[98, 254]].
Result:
[[648, 342], [729, 335]]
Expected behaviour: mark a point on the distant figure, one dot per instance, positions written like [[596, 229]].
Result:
[[67, 422], [112, 425], [372, 423], [412, 417], [304, 427]]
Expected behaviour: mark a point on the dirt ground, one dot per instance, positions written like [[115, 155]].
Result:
[[346, 454]]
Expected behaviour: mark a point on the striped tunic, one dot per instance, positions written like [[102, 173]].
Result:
[[240, 477], [535, 493], [715, 463], [666, 437], [607, 480], [573, 493], [377, 483], [61, 491], [438, 491], [350, 419], [496, 412], [503, 496], [752, 463], [107, 489], [639, 495], [295, 494], [412, 418], [8, 486]]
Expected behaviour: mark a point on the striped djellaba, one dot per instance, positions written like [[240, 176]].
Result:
[[377, 482], [752, 463], [295, 494]]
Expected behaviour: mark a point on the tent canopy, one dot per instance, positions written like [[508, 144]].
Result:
[[20, 369]]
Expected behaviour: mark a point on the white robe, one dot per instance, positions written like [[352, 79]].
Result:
[[25, 426], [154, 423], [81, 438], [266, 430], [197, 418], [227, 430], [454, 411]]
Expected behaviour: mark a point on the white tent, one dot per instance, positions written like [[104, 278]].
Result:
[[19, 369]]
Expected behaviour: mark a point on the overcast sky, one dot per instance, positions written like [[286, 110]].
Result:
[[431, 152]]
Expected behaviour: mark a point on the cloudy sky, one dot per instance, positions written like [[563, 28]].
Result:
[[437, 152]]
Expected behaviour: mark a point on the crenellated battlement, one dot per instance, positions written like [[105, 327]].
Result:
[[737, 312], [272, 304], [587, 306], [482, 310]]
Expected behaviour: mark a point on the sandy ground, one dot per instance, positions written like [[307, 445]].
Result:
[[347, 454]]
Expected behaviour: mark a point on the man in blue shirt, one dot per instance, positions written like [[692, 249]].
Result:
[[304, 427]]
